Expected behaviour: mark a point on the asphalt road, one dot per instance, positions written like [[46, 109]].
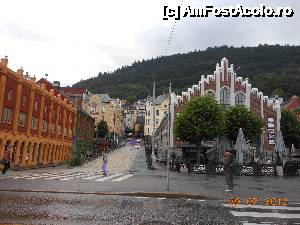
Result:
[[80, 196]]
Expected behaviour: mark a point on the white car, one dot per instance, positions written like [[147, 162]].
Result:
[[137, 146]]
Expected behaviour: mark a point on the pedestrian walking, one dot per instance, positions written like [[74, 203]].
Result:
[[6, 159], [228, 170], [104, 163]]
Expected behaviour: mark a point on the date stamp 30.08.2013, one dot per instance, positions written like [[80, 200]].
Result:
[[273, 201]]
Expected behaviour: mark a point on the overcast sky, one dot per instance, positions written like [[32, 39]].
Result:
[[72, 40]]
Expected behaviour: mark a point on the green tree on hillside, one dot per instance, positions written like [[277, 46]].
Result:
[[131, 99], [268, 67]]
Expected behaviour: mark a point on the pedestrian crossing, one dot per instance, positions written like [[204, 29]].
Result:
[[260, 214], [65, 176]]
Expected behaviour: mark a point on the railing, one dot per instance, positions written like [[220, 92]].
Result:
[[218, 169]]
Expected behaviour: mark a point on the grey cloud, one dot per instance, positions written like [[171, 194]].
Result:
[[200, 33], [19, 32]]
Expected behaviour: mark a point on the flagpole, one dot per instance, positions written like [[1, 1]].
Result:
[[169, 138]]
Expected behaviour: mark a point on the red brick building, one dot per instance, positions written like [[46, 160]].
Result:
[[231, 90], [294, 105]]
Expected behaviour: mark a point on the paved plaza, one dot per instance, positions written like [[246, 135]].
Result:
[[128, 176]]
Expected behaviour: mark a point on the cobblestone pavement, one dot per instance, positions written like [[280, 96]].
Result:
[[119, 161]]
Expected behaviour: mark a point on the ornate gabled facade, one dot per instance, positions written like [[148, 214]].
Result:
[[231, 90]]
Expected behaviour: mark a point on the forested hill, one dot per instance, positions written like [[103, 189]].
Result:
[[272, 69]]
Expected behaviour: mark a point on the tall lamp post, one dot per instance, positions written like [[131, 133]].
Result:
[[153, 132], [169, 137]]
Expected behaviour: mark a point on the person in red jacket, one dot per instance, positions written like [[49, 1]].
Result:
[[6, 159]]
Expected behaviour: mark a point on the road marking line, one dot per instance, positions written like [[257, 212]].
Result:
[[123, 178], [254, 223], [266, 215], [109, 177], [161, 198], [262, 207], [62, 176], [23, 177], [142, 197], [41, 175], [75, 177], [201, 200], [92, 177]]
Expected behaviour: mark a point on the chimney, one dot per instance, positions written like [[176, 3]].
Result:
[[20, 71], [56, 84], [4, 61]]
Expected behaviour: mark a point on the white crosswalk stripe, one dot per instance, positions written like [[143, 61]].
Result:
[[93, 177], [71, 176], [276, 212], [109, 177], [123, 178], [62, 176]]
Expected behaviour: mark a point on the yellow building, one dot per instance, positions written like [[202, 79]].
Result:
[[35, 118], [161, 108], [102, 107]]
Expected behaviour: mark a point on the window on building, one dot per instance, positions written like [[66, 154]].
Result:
[[225, 97], [53, 128], [210, 93], [9, 95], [22, 119], [34, 123], [44, 126], [157, 112], [65, 132], [7, 115], [24, 100], [156, 122], [148, 131], [240, 98], [58, 129]]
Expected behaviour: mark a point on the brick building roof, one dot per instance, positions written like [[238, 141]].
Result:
[[293, 103], [50, 86], [72, 90]]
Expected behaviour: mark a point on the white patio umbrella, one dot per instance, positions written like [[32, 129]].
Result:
[[280, 148], [240, 146]]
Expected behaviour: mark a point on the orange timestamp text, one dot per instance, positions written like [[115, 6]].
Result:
[[279, 201]]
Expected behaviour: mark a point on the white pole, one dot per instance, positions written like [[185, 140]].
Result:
[[169, 137], [153, 132]]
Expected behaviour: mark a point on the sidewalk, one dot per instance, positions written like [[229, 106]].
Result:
[[213, 186]]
